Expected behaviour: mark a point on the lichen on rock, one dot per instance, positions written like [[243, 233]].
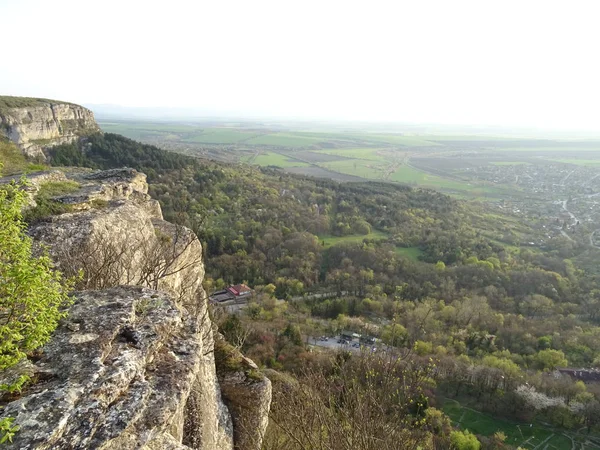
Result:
[[121, 381]]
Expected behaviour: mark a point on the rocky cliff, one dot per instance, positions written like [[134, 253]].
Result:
[[35, 124], [133, 366]]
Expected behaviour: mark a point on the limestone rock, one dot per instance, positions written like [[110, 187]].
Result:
[[45, 125], [138, 360], [122, 381], [247, 394], [35, 181], [109, 185]]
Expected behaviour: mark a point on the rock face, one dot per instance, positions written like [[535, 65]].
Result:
[[247, 394], [132, 367], [46, 124], [117, 375]]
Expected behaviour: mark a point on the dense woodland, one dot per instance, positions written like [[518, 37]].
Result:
[[487, 320]]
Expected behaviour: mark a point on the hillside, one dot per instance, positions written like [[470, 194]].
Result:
[[431, 277], [450, 290], [132, 365]]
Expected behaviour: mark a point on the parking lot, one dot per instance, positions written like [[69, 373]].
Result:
[[338, 343]]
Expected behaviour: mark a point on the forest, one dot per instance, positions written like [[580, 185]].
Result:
[[450, 287]]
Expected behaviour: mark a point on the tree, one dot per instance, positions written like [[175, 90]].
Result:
[[464, 440], [292, 332], [394, 334], [32, 294], [551, 359]]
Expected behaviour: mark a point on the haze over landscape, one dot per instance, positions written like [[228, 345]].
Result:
[[510, 63]]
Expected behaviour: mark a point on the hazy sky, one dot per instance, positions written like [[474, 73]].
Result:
[[503, 62]]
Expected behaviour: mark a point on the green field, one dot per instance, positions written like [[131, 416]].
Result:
[[413, 253], [360, 168], [398, 139], [333, 240], [369, 154], [221, 136], [410, 175], [275, 159], [284, 140], [529, 436]]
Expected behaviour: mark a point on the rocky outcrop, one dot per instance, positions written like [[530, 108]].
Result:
[[247, 394], [44, 124], [132, 367], [117, 375]]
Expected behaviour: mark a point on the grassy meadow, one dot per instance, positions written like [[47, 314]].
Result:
[[526, 436], [329, 240]]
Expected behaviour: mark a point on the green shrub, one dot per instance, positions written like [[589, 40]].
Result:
[[7, 430], [464, 440], [32, 294], [11, 156], [227, 357]]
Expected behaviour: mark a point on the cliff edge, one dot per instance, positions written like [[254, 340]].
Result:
[[133, 366]]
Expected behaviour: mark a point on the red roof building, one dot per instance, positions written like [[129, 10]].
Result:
[[240, 290]]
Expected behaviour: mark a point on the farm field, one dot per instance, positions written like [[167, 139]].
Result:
[[473, 167], [369, 154], [221, 136], [285, 140], [410, 175], [398, 139], [319, 172], [360, 168], [276, 159], [521, 435]]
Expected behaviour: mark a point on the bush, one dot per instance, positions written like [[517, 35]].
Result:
[[32, 294], [464, 440], [46, 206]]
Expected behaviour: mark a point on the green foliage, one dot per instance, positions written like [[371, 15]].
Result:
[[292, 332], [46, 205], [106, 151], [7, 429], [439, 270], [16, 386], [232, 329], [69, 155], [423, 348], [394, 334], [32, 294], [14, 160], [8, 102], [226, 356], [464, 440], [551, 359]]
